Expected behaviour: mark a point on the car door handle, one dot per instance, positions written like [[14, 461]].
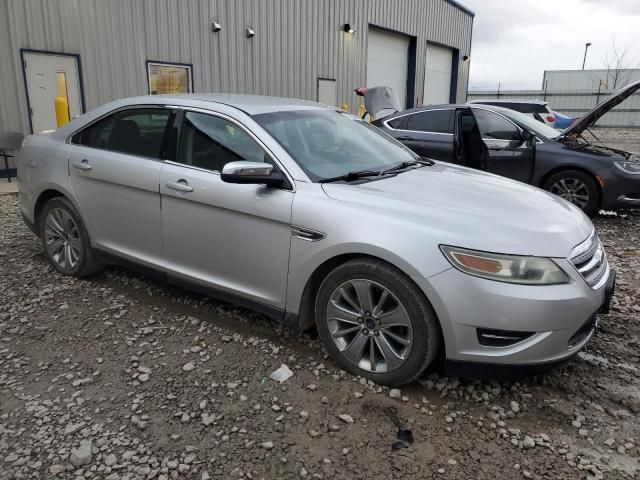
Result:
[[404, 137], [83, 165], [179, 186]]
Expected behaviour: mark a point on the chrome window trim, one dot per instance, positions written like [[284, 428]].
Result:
[[67, 140], [230, 119], [386, 122], [112, 112]]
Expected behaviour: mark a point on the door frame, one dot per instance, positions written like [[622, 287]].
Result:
[[23, 65]]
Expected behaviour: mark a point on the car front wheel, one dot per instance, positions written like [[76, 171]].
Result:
[[375, 322], [577, 187]]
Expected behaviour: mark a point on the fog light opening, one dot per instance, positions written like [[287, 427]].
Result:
[[501, 338]]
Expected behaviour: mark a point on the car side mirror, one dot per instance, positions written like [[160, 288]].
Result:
[[251, 173]]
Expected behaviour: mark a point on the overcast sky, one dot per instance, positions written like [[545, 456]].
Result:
[[515, 41]]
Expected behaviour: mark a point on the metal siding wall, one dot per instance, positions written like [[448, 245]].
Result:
[[296, 42]]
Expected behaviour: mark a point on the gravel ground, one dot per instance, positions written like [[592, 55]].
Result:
[[627, 139], [123, 377]]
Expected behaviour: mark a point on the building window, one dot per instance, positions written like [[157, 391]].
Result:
[[169, 78]]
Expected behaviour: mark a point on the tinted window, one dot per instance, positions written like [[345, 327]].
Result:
[[437, 121], [494, 126], [522, 107], [211, 142], [139, 131], [398, 123], [96, 135]]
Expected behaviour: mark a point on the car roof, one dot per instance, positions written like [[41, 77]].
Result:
[[250, 104], [446, 106], [510, 100]]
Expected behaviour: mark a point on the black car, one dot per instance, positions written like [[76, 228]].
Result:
[[514, 145]]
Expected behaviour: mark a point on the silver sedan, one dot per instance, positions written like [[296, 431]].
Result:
[[317, 218]]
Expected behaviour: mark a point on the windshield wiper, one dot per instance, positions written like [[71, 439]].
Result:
[[351, 176], [403, 165]]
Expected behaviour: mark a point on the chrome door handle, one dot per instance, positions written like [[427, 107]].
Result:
[[179, 186], [83, 165]]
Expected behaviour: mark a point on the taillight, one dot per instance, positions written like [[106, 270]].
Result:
[[551, 118]]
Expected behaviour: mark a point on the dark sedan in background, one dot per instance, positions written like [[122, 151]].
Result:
[[514, 145]]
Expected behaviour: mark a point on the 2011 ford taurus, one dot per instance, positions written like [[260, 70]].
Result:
[[317, 218]]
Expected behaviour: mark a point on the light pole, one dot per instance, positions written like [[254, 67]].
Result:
[[586, 47]]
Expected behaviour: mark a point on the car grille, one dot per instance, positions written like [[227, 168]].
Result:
[[590, 260]]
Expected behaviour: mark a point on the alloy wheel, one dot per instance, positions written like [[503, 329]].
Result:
[[573, 190], [369, 326], [62, 238]]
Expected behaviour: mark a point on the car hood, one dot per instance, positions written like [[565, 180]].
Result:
[[467, 208], [602, 108]]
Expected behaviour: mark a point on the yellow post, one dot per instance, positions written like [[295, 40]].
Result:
[[62, 111], [345, 107], [361, 110]]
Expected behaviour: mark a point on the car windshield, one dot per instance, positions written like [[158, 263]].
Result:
[[530, 123], [329, 143]]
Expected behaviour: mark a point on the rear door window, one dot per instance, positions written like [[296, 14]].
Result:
[[140, 131], [95, 135], [433, 121], [399, 123]]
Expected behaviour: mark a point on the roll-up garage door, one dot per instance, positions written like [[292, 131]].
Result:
[[387, 62], [437, 75]]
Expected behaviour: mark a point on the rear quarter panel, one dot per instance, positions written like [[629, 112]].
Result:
[[43, 165]]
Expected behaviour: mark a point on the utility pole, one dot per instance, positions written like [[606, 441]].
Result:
[[586, 47]]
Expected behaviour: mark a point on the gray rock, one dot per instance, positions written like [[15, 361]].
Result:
[[346, 418], [81, 455], [395, 393], [528, 442], [72, 428], [187, 367]]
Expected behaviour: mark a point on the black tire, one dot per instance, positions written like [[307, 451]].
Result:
[[85, 261], [583, 181], [426, 334]]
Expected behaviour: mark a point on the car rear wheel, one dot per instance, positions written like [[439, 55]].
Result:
[[65, 240], [376, 323], [577, 187]]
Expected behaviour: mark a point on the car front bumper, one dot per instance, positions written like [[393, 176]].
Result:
[[560, 318], [621, 189]]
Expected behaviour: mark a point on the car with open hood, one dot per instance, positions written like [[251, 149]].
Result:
[[514, 145], [319, 219]]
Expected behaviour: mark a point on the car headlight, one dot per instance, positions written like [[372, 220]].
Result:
[[506, 268], [628, 166]]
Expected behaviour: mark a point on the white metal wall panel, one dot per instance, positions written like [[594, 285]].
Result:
[[588, 80], [437, 77], [387, 62], [296, 42], [574, 104]]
